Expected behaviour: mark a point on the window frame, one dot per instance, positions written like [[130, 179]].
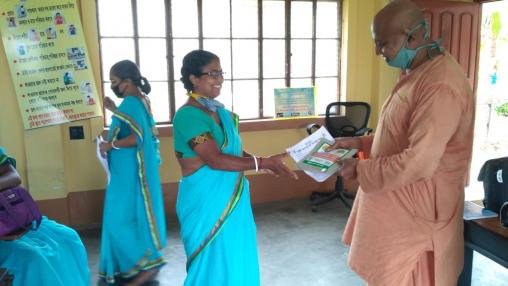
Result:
[[262, 122]]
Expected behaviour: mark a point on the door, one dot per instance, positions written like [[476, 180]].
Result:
[[457, 24]]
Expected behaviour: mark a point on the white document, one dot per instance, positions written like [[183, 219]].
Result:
[[302, 148], [102, 160]]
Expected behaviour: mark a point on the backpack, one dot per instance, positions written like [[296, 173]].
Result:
[[494, 174]]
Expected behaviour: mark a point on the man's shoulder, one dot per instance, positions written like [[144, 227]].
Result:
[[446, 71]]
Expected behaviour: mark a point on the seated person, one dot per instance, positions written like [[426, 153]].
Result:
[[52, 255]]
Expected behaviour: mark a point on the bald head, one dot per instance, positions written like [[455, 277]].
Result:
[[397, 17], [399, 24]]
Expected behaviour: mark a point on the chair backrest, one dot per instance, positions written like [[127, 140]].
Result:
[[347, 119]]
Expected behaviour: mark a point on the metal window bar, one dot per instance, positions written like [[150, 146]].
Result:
[[287, 78]]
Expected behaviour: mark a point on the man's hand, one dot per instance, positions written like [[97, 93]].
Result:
[[346, 143], [348, 170]]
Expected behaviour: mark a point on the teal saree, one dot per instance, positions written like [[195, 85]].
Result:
[[52, 255], [134, 228], [217, 224]]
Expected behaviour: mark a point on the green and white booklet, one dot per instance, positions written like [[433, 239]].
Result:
[[311, 156], [320, 160]]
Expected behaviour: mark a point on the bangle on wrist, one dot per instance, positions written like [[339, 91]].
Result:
[[256, 163], [113, 145]]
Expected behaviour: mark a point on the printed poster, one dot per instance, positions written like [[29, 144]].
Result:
[[295, 102], [48, 61]]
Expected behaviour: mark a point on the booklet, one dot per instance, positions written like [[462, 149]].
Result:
[[320, 160], [306, 146]]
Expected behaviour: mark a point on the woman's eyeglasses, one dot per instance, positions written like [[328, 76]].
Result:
[[214, 74]]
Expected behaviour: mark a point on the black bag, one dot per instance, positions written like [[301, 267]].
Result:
[[494, 174]]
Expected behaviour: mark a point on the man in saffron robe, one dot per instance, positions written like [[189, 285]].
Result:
[[406, 227]]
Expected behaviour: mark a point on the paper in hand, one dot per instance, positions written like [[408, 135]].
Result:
[[102, 160], [305, 146], [322, 160]]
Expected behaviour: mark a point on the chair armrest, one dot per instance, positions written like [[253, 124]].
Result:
[[312, 126], [363, 131]]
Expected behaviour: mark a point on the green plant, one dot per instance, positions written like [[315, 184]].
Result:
[[496, 24], [502, 109]]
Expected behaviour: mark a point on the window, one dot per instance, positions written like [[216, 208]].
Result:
[[262, 44]]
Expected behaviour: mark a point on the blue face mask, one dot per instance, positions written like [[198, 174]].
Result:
[[210, 103], [404, 58]]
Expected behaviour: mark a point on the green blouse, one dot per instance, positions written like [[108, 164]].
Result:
[[189, 122]]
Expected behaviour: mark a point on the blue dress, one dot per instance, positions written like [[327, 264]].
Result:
[[214, 209], [134, 228], [52, 255]]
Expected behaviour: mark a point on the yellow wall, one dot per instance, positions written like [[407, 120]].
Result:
[[365, 76], [52, 166]]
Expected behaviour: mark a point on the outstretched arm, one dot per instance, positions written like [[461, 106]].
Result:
[[210, 154]]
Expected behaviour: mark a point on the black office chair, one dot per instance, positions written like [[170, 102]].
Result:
[[342, 119]]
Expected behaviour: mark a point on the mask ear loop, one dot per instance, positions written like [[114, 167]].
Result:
[[436, 44], [426, 36], [425, 25]]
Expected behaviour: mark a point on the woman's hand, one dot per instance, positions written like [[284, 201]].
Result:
[[109, 104], [346, 143], [104, 147], [276, 166]]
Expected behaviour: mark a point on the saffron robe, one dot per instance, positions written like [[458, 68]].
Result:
[[406, 226]]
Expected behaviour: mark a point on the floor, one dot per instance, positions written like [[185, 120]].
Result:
[[296, 247]]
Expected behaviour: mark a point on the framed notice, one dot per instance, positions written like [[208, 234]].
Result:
[[48, 61], [295, 102]]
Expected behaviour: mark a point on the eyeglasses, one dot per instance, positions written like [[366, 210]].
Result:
[[214, 74]]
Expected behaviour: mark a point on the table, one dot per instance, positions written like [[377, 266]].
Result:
[[487, 237]]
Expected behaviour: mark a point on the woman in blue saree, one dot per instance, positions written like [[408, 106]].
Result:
[[51, 255], [134, 228], [213, 205]]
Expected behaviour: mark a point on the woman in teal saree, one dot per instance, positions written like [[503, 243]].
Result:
[[51, 255], [134, 229], [213, 205]]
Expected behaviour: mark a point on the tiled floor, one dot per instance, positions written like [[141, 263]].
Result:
[[296, 247]]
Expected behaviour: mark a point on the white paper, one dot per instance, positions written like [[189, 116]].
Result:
[[302, 148], [102, 160]]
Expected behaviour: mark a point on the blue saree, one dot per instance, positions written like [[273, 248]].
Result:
[[217, 225], [134, 228], [52, 255]]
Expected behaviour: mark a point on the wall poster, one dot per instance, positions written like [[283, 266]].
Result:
[[295, 102], [48, 61]]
